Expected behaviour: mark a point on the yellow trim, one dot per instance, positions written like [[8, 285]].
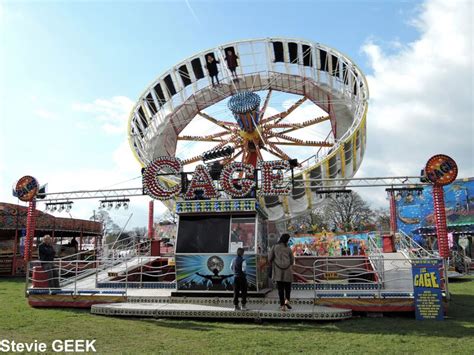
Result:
[[343, 160], [286, 207], [326, 167], [308, 189], [354, 151], [129, 131]]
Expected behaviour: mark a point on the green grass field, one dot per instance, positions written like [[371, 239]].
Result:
[[389, 335]]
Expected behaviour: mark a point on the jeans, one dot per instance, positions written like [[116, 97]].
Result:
[[240, 289], [284, 291]]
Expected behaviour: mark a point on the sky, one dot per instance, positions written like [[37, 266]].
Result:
[[70, 72]]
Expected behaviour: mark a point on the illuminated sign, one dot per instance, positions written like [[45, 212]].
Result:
[[441, 170], [236, 180], [26, 188]]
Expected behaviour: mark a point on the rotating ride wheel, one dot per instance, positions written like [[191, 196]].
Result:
[[263, 99]]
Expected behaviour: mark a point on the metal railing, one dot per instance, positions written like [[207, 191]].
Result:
[[78, 276], [408, 246], [349, 271], [375, 275], [459, 262]]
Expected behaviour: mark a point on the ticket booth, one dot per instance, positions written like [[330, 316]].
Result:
[[209, 233]]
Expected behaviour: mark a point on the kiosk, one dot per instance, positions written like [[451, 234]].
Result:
[[209, 233]]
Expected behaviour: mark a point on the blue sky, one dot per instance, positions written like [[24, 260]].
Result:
[[61, 60]]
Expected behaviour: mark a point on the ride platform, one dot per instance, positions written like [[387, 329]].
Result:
[[258, 309]]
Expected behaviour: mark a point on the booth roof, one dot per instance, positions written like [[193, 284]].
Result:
[[14, 217]]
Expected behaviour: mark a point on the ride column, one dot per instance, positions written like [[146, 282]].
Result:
[[441, 170], [244, 107], [30, 229], [26, 190]]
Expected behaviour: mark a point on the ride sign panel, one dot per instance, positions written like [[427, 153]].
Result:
[[441, 170], [427, 289]]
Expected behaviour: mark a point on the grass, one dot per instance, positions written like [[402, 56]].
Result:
[[389, 335]]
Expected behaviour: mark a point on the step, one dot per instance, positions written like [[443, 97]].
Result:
[[191, 310]]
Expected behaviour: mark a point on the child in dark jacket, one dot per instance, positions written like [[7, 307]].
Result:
[[238, 266]]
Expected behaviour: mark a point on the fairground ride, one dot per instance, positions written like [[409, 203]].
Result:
[[223, 102]]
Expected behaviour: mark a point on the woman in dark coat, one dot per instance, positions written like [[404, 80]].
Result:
[[282, 260], [211, 65]]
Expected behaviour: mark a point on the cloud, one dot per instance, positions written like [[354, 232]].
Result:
[[422, 95], [125, 160], [45, 114], [111, 113]]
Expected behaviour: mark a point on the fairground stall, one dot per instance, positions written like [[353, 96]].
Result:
[[13, 223], [209, 234]]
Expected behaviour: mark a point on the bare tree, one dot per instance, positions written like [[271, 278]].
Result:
[[382, 219], [168, 217], [110, 228], [349, 212], [319, 221]]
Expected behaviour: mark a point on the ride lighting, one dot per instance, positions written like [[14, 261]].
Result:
[[337, 192], [405, 192], [109, 204], [223, 152], [59, 206]]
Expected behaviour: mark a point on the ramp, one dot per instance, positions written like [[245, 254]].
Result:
[[397, 274], [89, 282]]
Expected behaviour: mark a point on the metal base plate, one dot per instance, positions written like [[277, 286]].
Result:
[[225, 310]]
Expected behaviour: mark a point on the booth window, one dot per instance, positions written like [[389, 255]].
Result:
[[151, 103], [169, 84], [197, 68], [323, 62], [141, 115], [184, 74], [335, 65], [203, 234], [278, 51], [293, 51], [307, 57], [242, 234], [159, 94]]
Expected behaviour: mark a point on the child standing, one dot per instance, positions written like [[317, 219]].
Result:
[[238, 266]]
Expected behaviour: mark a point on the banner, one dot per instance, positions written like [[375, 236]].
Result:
[[211, 272], [427, 289]]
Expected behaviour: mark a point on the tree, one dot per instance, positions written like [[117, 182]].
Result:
[[348, 213], [110, 228], [168, 217], [319, 222], [381, 217]]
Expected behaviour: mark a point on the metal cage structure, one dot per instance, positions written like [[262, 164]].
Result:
[[315, 72]]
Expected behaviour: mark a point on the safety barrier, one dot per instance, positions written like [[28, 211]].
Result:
[[78, 276]]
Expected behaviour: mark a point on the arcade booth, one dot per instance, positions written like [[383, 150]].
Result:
[[209, 234]]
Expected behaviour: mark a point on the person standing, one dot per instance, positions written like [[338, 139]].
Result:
[[231, 59], [282, 260], [238, 266], [211, 65], [74, 244], [46, 256]]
